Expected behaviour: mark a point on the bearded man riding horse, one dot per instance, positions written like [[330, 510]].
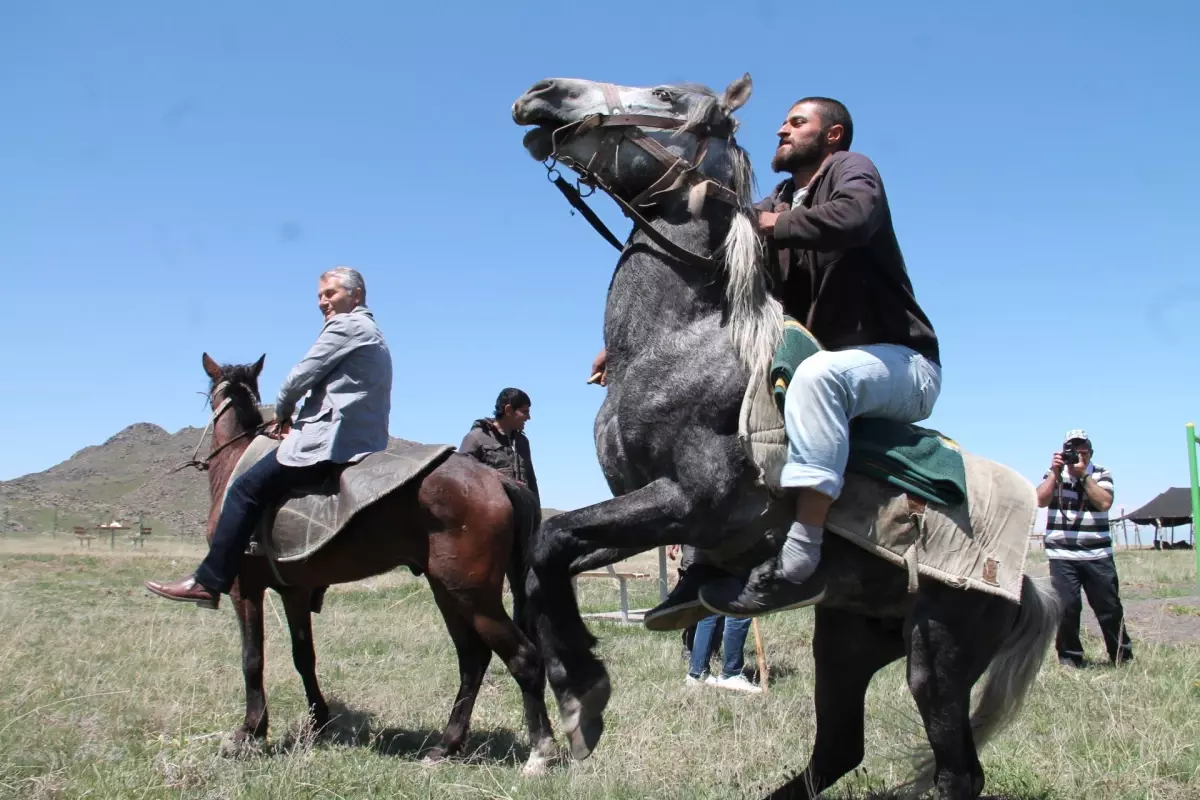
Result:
[[829, 231], [693, 328], [829, 228]]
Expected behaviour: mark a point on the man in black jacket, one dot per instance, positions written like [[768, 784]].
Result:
[[500, 441], [829, 229]]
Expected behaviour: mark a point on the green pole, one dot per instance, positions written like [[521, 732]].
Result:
[[1191, 439]]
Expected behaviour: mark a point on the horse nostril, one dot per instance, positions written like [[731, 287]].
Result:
[[541, 87]]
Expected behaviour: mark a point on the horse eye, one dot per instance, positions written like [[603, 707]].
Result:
[[663, 94]]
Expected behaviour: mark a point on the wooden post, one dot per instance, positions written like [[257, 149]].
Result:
[[764, 677]]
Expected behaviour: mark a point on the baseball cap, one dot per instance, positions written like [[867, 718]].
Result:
[[1077, 433]]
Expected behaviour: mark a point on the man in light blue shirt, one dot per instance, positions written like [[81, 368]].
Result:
[[348, 375]]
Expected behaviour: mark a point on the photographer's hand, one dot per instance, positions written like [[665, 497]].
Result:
[[1049, 484], [1077, 470], [1057, 464]]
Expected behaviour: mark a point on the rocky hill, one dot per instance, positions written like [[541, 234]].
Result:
[[127, 478]]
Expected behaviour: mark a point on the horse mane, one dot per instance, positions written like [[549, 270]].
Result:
[[755, 316], [243, 392]]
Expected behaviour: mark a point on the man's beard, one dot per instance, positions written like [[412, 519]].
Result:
[[796, 159]]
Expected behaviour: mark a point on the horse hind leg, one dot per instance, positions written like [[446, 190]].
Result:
[[848, 650], [501, 635], [473, 657], [949, 650], [297, 604]]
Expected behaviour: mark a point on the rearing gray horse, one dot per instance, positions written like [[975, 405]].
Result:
[[689, 319]]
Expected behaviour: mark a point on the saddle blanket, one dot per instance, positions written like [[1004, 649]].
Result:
[[979, 545], [304, 524]]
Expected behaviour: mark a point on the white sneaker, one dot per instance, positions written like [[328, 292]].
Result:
[[737, 683], [695, 682]]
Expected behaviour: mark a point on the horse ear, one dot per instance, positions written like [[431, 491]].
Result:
[[737, 93], [258, 365], [212, 368]]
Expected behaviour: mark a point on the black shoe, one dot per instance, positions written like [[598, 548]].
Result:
[[682, 609], [766, 592]]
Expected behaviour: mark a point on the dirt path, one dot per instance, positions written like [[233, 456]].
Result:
[[1173, 620]]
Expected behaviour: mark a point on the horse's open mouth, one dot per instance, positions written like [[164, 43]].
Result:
[[539, 142]]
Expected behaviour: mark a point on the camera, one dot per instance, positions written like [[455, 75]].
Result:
[[1070, 455]]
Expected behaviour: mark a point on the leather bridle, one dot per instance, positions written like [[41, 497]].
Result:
[[203, 463], [618, 128]]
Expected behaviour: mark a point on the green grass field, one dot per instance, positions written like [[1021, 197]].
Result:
[[106, 692]]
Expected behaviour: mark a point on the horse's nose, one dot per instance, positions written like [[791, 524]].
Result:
[[542, 91]]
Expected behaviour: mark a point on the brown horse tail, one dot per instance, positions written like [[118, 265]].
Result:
[[527, 516]]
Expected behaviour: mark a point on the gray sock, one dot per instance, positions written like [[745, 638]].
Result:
[[801, 551]]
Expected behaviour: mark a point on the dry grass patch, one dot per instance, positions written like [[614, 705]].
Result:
[[106, 692]]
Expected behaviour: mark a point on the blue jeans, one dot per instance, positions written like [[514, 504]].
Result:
[[254, 493], [705, 644], [832, 387]]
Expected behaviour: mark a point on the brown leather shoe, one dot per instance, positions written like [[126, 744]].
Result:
[[186, 591]]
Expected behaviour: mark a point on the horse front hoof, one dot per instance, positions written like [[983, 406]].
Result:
[[318, 721], [535, 767], [541, 758], [585, 737], [435, 757], [583, 717], [242, 744]]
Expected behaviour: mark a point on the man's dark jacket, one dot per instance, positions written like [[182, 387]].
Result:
[[843, 276], [508, 454]]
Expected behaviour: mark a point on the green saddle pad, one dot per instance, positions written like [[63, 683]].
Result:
[[918, 460]]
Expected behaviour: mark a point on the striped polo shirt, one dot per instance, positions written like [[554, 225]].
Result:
[[1075, 528]]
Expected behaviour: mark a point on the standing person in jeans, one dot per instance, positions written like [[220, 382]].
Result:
[[727, 632], [1078, 494]]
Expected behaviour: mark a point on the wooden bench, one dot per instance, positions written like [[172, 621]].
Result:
[[82, 535], [621, 578]]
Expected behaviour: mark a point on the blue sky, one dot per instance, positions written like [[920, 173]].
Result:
[[172, 180]]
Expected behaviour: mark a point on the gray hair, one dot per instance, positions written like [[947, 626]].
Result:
[[350, 279]]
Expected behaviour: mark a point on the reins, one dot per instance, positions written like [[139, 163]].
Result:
[[679, 173], [203, 463]]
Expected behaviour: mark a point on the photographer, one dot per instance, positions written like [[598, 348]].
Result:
[[1078, 495]]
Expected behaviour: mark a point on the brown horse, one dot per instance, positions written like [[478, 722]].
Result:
[[462, 525]]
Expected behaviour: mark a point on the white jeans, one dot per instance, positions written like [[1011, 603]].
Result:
[[834, 386]]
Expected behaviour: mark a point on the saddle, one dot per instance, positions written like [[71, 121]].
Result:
[[304, 523], [928, 506]]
